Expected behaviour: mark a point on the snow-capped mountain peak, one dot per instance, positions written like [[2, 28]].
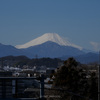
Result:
[[53, 37]]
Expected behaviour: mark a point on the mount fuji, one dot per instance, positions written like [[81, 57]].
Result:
[[51, 45], [53, 37]]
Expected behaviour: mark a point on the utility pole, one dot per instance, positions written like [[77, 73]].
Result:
[[99, 78], [2, 63], [42, 87]]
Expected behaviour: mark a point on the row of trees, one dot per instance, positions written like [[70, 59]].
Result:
[[76, 83], [23, 60]]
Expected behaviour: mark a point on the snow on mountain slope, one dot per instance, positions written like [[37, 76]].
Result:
[[48, 37]]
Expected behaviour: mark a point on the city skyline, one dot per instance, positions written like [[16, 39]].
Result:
[[25, 20]]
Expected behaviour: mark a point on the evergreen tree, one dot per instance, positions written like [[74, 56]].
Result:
[[73, 79]]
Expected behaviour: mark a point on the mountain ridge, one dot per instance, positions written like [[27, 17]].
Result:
[[52, 49], [59, 52]]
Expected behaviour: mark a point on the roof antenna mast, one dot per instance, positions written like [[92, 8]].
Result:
[[99, 78]]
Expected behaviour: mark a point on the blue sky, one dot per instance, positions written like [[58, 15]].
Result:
[[24, 20]]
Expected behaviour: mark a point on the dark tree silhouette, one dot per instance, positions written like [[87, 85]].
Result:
[[73, 79]]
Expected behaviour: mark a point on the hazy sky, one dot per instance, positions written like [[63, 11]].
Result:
[[24, 20]]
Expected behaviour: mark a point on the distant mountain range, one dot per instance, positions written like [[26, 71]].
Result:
[[51, 49], [88, 58], [49, 45], [85, 58], [7, 50]]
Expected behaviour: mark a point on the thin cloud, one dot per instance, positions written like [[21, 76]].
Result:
[[95, 45]]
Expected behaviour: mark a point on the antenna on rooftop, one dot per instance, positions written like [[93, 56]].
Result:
[[99, 77]]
